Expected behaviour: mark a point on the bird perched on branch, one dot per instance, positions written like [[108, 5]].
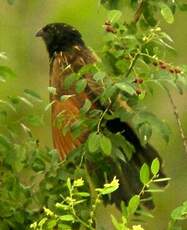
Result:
[[68, 54]]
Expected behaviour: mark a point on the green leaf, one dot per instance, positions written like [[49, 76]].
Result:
[[114, 15], [166, 12], [32, 94], [144, 174], [70, 79], [67, 218], [124, 149], [6, 72], [38, 165], [109, 187], [126, 87], [180, 213], [81, 85], [145, 132], [68, 183], [133, 204], [93, 142], [78, 182], [87, 105], [122, 66], [26, 101], [51, 224], [42, 222], [66, 97], [35, 120], [52, 90], [117, 225], [62, 206], [83, 194], [154, 121], [105, 144], [99, 76], [8, 104], [48, 106], [155, 166]]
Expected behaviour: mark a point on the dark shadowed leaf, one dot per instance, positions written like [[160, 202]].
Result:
[[93, 142]]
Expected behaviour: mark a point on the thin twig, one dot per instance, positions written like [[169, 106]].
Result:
[[139, 11], [177, 117], [132, 64]]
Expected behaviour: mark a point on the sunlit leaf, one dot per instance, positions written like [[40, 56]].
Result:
[[133, 204], [155, 166], [144, 174], [67, 218], [52, 90], [166, 13], [126, 87], [114, 15]]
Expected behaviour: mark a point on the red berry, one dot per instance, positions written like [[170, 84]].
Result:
[[138, 80]]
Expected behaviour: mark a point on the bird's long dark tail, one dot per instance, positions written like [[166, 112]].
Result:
[[128, 172]]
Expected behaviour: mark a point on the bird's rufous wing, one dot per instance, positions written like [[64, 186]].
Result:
[[65, 112]]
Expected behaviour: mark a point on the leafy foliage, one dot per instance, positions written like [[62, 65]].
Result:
[[68, 212], [178, 214]]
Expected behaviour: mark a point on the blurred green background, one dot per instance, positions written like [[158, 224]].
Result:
[[28, 58]]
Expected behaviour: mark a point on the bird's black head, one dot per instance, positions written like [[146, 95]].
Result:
[[59, 37]]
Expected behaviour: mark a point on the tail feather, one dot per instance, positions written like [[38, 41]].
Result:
[[128, 173]]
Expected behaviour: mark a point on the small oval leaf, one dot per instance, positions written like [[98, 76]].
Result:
[[155, 166], [93, 142], [105, 144], [166, 13], [133, 204], [144, 174]]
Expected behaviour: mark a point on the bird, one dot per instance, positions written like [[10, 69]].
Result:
[[68, 54]]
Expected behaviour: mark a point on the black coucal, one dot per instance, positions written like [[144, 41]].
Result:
[[68, 53]]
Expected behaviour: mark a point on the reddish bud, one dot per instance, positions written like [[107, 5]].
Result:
[[172, 70], [110, 29], [163, 66], [138, 81], [155, 63], [177, 70], [138, 91]]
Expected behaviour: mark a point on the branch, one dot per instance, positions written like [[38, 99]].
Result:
[[176, 114], [139, 11]]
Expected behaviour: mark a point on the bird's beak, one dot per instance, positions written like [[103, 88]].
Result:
[[40, 33]]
